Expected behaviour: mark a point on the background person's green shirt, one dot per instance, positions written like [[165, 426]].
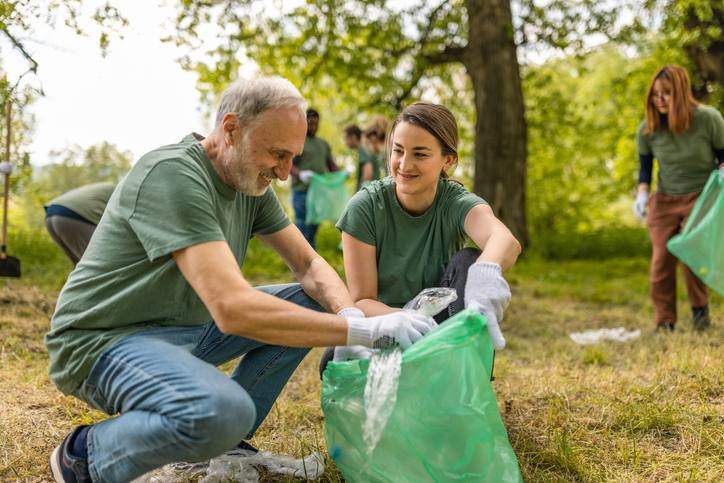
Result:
[[314, 156], [412, 252], [687, 160], [88, 201], [128, 280], [363, 159]]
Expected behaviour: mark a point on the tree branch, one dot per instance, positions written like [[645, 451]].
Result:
[[423, 39], [450, 54], [19, 46]]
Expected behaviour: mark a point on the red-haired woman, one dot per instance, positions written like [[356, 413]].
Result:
[[687, 140]]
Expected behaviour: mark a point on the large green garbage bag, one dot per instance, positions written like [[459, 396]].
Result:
[[326, 197], [700, 245], [445, 425]]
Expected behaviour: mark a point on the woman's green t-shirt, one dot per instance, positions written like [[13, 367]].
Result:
[[412, 252]]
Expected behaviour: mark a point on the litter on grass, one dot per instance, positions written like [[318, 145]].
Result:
[[594, 336], [238, 466]]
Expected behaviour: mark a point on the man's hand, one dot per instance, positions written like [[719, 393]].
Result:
[[305, 175], [487, 292], [389, 330], [640, 204]]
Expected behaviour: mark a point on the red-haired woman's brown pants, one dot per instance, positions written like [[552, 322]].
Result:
[[667, 216]]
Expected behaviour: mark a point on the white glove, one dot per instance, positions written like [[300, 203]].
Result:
[[305, 175], [6, 168], [640, 204], [487, 292], [352, 353], [389, 330]]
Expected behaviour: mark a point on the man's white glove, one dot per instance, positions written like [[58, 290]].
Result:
[[305, 175], [389, 330], [6, 167], [640, 204], [487, 292], [352, 353]]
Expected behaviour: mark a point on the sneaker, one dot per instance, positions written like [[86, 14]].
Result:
[[65, 467], [700, 317], [246, 447], [664, 328]]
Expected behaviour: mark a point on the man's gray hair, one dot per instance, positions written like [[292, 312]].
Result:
[[249, 98]]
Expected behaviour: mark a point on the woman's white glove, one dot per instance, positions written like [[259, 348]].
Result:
[[306, 175], [386, 331], [487, 292], [6, 167], [640, 204]]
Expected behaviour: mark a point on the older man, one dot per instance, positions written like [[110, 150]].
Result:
[[159, 300]]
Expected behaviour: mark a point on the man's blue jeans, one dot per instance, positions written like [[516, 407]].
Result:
[[174, 404], [299, 203]]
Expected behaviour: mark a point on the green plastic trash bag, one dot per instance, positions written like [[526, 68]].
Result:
[[326, 197], [700, 245], [445, 425]]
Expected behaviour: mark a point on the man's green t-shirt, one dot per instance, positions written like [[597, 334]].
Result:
[[88, 201], [412, 252], [128, 280], [686, 160], [363, 159], [314, 156]]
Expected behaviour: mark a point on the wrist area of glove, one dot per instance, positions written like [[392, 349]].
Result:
[[351, 312], [642, 195], [479, 271], [358, 332]]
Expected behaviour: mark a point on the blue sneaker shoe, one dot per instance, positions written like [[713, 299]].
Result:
[[67, 468]]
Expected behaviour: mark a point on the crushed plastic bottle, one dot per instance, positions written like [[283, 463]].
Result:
[[237, 466], [385, 367]]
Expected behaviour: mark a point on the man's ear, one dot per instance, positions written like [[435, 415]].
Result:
[[229, 126]]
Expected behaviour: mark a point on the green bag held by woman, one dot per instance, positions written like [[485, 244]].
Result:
[[700, 245], [445, 425], [326, 197]]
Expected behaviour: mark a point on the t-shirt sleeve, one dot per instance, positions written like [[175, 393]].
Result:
[[458, 204], [717, 129], [173, 210], [270, 216], [358, 219], [642, 143]]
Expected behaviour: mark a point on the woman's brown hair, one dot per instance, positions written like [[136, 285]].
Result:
[[681, 102], [435, 119]]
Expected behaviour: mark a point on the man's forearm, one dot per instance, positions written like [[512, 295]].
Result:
[[322, 283]]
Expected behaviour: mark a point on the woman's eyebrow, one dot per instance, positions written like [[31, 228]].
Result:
[[416, 148]]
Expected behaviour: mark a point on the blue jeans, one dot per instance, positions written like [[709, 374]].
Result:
[[299, 202], [174, 404]]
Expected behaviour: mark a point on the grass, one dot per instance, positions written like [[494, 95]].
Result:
[[645, 411]]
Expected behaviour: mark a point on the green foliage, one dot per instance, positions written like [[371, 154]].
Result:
[[600, 244], [76, 166]]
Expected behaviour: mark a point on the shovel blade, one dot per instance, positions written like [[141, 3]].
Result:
[[9, 267]]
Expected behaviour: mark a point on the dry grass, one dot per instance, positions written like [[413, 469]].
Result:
[[645, 411]]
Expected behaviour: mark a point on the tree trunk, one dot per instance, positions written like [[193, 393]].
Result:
[[500, 132]]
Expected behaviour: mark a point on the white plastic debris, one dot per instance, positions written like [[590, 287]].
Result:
[[237, 466], [594, 336]]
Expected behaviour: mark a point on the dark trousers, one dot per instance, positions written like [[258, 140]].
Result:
[[455, 276], [667, 217]]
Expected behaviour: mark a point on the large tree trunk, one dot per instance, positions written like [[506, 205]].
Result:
[[500, 131]]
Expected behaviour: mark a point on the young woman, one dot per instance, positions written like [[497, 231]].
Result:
[[407, 232], [375, 136], [687, 140]]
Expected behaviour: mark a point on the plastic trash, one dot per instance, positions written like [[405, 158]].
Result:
[[327, 196], [594, 336], [699, 245], [237, 466], [431, 301], [445, 425]]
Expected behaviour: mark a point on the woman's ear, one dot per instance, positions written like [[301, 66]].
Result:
[[449, 162]]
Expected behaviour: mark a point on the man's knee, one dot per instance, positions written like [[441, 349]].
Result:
[[218, 422]]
